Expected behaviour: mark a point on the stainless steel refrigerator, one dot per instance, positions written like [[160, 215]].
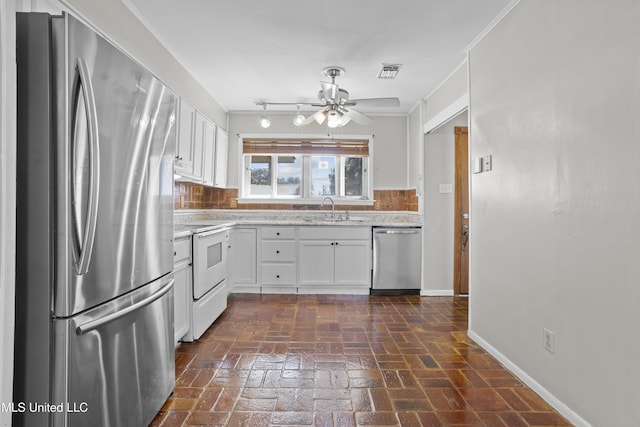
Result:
[[94, 298]]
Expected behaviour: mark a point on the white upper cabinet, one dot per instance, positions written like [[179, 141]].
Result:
[[198, 145], [185, 150], [201, 149], [209, 154], [222, 151]]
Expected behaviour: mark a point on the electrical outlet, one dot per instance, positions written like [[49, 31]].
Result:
[[549, 343]]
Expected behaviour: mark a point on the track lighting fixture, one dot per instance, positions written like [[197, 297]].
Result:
[[298, 120], [264, 120]]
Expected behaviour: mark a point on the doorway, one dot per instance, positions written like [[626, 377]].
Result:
[[461, 212]]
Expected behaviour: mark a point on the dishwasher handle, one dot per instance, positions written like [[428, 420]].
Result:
[[397, 232]]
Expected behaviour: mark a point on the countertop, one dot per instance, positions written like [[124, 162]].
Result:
[[190, 222]]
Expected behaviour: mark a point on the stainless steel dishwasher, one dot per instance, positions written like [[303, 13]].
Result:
[[396, 260]]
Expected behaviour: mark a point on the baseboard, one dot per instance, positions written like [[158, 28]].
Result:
[[436, 293], [556, 403]]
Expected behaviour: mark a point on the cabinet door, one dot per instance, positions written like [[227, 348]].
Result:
[[198, 142], [208, 154], [243, 256], [184, 148], [352, 262], [222, 150], [181, 300], [316, 262]]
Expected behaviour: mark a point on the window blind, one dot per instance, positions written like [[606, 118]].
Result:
[[350, 147]]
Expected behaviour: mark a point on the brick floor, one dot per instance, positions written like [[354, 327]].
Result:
[[284, 360]]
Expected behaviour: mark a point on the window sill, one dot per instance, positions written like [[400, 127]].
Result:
[[296, 201]]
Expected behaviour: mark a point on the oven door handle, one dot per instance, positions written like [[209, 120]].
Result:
[[212, 232]]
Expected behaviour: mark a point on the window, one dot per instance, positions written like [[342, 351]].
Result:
[[306, 170]]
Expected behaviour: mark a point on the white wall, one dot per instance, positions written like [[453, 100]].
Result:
[[390, 143], [451, 89], [7, 201], [112, 18], [414, 148], [555, 99], [122, 27], [437, 229]]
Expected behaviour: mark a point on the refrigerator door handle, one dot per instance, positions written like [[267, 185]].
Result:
[[86, 241], [94, 324]]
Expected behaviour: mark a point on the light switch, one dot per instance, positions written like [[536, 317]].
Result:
[[446, 188], [477, 165], [486, 163]]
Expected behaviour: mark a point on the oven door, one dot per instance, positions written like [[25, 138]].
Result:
[[209, 260]]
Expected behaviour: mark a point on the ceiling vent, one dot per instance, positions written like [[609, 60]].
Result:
[[389, 71]]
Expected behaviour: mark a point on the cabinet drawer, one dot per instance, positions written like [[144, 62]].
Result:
[[278, 274], [278, 251], [182, 250], [335, 233], [278, 232]]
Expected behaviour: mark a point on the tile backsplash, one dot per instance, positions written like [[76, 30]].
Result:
[[189, 195]]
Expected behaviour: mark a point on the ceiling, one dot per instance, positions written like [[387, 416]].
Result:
[[243, 52]]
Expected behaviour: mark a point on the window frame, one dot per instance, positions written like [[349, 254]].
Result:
[[244, 173]]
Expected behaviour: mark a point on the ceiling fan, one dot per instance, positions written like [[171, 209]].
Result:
[[335, 105]]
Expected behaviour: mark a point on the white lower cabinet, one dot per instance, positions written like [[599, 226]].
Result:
[[243, 260], [182, 295], [302, 259], [317, 259], [334, 260], [278, 260]]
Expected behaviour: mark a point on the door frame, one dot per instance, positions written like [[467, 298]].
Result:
[[461, 206]]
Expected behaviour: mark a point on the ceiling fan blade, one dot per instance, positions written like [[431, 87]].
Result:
[[329, 90], [357, 117], [318, 116], [375, 102]]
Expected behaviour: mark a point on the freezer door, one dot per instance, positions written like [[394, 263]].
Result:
[[114, 365], [114, 171]]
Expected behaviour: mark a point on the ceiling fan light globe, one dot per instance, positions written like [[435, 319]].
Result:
[[334, 120], [265, 122]]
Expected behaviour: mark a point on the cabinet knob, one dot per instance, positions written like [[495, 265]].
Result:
[[336, 243], [277, 252], [278, 233], [331, 243], [277, 276]]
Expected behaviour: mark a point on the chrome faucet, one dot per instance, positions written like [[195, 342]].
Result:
[[333, 206]]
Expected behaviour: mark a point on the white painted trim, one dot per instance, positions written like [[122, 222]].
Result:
[[492, 24], [452, 110], [436, 292], [301, 201], [7, 200], [446, 79], [548, 397], [282, 112], [416, 105]]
